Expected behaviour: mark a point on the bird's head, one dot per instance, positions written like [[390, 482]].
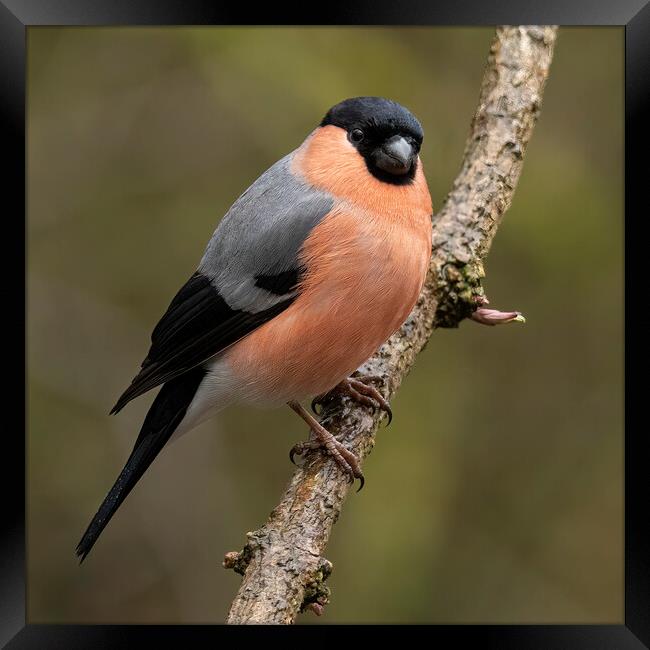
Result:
[[383, 132]]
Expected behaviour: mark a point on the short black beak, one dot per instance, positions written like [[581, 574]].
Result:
[[395, 156]]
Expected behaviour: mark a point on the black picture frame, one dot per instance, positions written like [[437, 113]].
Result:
[[17, 15]]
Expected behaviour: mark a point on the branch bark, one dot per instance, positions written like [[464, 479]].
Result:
[[282, 565]]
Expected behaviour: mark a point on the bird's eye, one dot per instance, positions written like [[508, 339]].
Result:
[[356, 135]]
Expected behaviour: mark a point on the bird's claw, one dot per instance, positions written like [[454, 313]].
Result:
[[303, 447], [296, 449], [354, 472], [362, 391], [343, 456], [316, 402]]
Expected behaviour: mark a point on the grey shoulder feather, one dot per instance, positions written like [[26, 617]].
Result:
[[261, 236]]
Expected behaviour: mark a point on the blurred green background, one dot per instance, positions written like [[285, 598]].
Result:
[[495, 496]]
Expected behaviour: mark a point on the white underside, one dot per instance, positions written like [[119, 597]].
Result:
[[220, 388]]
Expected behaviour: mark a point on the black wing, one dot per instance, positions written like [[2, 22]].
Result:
[[197, 325]]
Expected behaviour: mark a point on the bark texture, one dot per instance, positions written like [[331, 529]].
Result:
[[282, 563]]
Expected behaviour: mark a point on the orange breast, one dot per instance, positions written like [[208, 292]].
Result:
[[366, 263]]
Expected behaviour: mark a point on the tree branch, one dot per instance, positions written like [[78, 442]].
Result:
[[282, 564]]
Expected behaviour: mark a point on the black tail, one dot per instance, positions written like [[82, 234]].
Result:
[[165, 414]]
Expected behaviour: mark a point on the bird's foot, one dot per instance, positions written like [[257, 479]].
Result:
[[324, 440], [341, 454], [487, 316], [361, 390]]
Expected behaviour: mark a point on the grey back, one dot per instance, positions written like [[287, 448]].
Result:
[[262, 234]]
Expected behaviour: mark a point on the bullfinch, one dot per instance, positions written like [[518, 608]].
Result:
[[313, 267]]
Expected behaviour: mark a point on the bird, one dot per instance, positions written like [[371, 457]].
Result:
[[308, 273]]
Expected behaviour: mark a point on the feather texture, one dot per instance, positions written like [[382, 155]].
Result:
[[197, 325]]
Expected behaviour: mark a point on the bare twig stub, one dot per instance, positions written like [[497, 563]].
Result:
[[283, 569]]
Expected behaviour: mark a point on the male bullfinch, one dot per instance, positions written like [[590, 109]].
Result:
[[313, 267]]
